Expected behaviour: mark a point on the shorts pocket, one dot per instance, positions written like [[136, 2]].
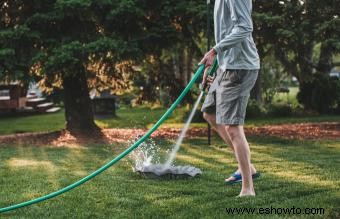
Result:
[[231, 77]]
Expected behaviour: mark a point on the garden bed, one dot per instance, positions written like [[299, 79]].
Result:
[[312, 131]]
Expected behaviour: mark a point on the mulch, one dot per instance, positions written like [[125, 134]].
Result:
[[312, 131], [302, 131]]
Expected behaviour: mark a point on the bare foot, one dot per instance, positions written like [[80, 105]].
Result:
[[248, 193]]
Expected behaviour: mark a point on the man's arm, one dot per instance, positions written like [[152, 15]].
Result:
[[242, 29]]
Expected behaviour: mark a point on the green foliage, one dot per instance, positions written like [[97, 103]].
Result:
[[172, 49], [72, 5], [62, 36], [322, 93], [272, 77], [126, 98], [280, 110], [155, 44], [16, 50], [292, 29], [165, 98], [198, 117], [255, 110]]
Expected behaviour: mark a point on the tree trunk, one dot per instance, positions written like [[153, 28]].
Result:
[[78, 107], [325, 59], [305, 60], [189, 65]]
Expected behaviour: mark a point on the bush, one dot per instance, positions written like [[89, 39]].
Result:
[[280, 110], [198, 117], [255, 110], [126, 98], [165, 98], [322, 94]]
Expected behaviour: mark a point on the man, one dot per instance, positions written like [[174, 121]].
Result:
[[226, 101]]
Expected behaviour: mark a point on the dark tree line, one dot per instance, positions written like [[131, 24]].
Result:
[[304, 36], [293, 28], [76, 45]]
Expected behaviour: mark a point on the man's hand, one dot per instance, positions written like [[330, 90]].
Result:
[[208, 58], [207, 80]]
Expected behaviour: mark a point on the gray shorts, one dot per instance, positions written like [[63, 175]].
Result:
[[228, 95]]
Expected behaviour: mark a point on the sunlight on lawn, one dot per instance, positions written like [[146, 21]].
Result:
[[279, 167], [294, 164], [300, 177], [295, 173], [31, 164], [194, 160], [222, 158], [102, 124]]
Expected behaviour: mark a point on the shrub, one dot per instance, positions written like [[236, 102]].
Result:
[[280, 110], [255, 110], [322, 93], [198, 117], [165, 98], [126, 98]]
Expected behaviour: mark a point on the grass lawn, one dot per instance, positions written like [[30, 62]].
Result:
[[139, 117], [34, 123], [300, 174], [290, 98]]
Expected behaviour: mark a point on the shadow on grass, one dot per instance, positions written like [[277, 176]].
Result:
[[56, 138], [288, 180]]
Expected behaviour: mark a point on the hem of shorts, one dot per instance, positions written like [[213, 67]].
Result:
[[240, 67], [231, 122], [205, 110]]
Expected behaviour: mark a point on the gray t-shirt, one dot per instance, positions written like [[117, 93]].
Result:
[[233, 35]]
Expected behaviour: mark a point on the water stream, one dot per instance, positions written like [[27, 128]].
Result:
[[146, 157], [179, 141]]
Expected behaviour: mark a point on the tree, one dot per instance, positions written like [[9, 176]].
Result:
[[294, 28], [170, 59], [74, 44], [62, 43]]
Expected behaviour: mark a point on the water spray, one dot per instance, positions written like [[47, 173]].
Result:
[[168, 170]]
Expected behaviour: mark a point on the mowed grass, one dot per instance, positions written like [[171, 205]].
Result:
[[287, 98], [300, 174], [127, 117], [138, 117], [33, 123]]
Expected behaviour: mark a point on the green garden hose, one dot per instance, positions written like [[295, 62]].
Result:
[[115, 160]]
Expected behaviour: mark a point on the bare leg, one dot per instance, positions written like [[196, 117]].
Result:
[[242, 152], [220, 129], [222, 132]]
